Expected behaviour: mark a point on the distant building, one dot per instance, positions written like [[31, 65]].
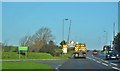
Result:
[[119, 16]]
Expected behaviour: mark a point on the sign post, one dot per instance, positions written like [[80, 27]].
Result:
[[24, 48]]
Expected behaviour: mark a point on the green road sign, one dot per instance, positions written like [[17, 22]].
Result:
[[23, 48]]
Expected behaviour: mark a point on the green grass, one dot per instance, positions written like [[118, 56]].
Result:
[[9, 55], [24, 65], [32, 55]]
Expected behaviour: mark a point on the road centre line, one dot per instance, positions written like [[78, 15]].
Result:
[[89, 58], [105, 64], [98, 62], [106, 61], [93, 59], [116, 68], [114, 64]]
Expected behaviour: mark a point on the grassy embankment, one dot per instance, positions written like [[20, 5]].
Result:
[[33, 55], [24, 65]]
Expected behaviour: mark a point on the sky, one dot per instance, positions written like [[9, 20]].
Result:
[[60, 0], [89, 21], [0, 22]]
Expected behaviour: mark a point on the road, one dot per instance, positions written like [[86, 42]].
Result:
[[90, 63]]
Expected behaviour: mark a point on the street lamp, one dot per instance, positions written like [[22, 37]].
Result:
[[106, 38], [113, 30], [63, 29], [69, 31]]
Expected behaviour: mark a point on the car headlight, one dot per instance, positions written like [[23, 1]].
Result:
[[117, 55], [108, 55]]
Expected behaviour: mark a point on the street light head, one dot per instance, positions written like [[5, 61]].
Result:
[[66, 19]]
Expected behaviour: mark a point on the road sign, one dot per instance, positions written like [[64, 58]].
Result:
[[65, 46], [64, 50], [23, 48]]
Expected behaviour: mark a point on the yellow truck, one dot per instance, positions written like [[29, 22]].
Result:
[[80, 51]]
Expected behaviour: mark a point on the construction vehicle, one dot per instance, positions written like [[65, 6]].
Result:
[[80, 51]]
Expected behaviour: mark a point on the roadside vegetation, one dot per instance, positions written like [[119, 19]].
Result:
[[33, 55], [40, 45], [24, 65]]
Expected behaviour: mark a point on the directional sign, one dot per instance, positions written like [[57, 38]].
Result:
[[23, 48], [64, 50]]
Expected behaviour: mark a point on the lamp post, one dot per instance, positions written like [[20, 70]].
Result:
[[69, 31], [106, 38], [63, 29], [113, 30]]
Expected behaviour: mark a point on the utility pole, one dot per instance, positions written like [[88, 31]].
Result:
[[69, 31]]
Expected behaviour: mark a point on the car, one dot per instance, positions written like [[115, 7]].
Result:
[[112, 54], [95, 52]]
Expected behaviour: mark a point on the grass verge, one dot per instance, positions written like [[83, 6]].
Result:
[[24, 65], [31, 55]]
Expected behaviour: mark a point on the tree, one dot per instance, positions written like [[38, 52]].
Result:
[[25, 41], [62, 43], [44, 34], [37, 41]]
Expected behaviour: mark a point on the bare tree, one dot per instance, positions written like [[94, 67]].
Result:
[[25, 41], [44, 34], [37, 41]]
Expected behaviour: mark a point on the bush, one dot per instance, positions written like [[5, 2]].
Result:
[[56, 52]]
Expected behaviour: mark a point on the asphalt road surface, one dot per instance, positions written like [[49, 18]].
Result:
[[84, 64], [91, 63]]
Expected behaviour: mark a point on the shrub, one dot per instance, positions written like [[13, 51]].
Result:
[[56, 52]]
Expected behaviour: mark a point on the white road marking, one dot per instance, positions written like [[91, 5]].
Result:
[[102, 60], [93, 59], [116, 68], [88, 57], [98, 61], [114, 64], [106, 61], [92, 56], [58, 67], [105, 64]]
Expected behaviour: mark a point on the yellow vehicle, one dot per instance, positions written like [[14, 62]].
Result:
[[80, 51]]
